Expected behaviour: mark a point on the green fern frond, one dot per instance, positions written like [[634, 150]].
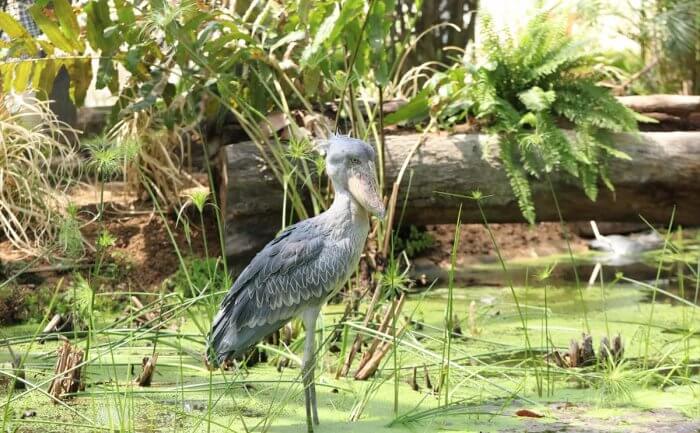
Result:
[[525, 85], [536, 99], [518, 181], [589, 178]]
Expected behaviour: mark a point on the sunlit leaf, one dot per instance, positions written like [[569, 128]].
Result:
[[125, 12], [416, 109], [80, 71], [11, 27], [68, 21], [17, 32], [51, 30], [46, 46], [323, 33], [349, 12], [377, 31], [288, 38], [36, 74], [535, 99], [6, 73], [48, 75], [98, 19], [23, 74]]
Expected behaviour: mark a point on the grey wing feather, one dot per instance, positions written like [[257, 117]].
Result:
[[283, 277]]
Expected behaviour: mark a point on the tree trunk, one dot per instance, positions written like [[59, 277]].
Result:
[[664, 172]]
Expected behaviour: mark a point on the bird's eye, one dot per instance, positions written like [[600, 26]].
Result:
[[354, 161]]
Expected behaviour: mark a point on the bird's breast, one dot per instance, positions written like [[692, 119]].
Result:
[[343, 253]]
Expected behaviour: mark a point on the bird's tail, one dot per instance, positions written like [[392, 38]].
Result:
[[226, 341], [217, 347], [211, 358]]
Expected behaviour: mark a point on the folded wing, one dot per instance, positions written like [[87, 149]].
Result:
[[285, 277]]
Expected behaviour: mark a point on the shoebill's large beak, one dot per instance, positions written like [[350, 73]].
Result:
[[362, 182]]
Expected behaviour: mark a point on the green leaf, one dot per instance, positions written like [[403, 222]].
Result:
[[48, 75], [169, 93], [51, 30], [375, 27], [529, 119], [125, 12], [639, 117], [144, 103], [258, 92], [614, 152], [377, 32], [13, 29], [133, 57], [235, 30], [416, 109], [47, 46], [322, 34], [68, 21], [17, 32], [589, 179], [536, 99], [348, 14], [352, 36], [23, 74], [106, 73], [6, 73], [80, 71], [606, 179], [98, 19], [288, 38], [36, 74], [312, 79]]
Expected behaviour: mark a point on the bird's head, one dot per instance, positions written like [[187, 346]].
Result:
[[350, 165]]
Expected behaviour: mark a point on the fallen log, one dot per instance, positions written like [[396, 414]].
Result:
[[663, 173], [671, 112], [679, 105]]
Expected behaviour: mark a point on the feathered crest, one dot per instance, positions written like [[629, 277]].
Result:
[[323, 144]]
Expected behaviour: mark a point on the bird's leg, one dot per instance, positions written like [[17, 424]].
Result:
[[308, 370], [312, 385], [307, 402], [309, 366], [305, 376]]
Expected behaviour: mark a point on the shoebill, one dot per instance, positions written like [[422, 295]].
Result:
[[294, 274]]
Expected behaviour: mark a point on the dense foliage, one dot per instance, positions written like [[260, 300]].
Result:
[[180, 68]]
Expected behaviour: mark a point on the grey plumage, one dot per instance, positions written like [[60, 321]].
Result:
[[297, 269]]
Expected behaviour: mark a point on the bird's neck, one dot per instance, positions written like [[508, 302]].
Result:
[[345, 209]]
